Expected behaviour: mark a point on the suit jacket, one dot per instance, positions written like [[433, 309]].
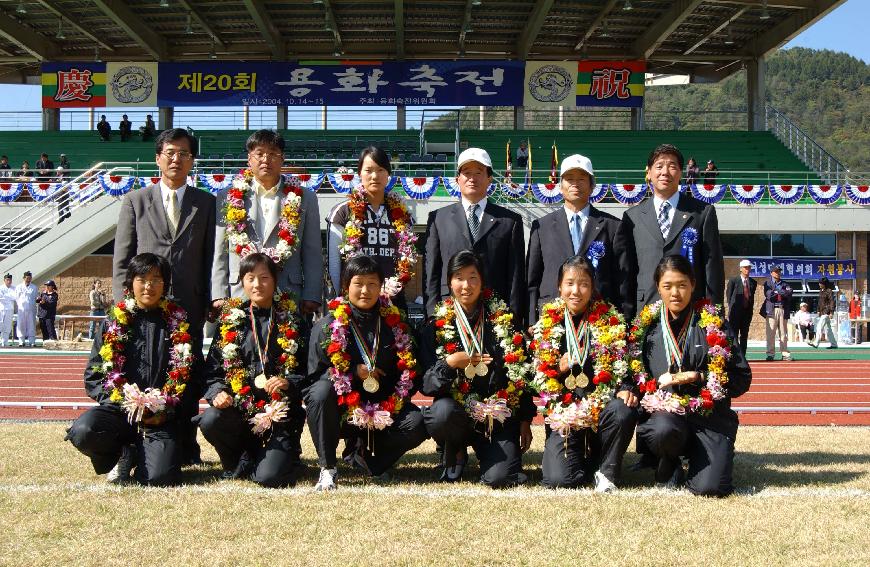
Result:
[[550, 245], [500, 245], [302, 274], [771, 291], [143, 227], [734, 295], [645, 247]]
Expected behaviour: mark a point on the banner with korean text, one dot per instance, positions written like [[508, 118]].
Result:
[[804, 269], [73, 85]]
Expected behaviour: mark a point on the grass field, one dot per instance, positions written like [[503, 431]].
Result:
[[803, 499]]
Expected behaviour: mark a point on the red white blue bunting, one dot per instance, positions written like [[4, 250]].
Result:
[[786, 194], [710, 194], [515, 190], [420, 187], [825, 194], [11, 191], [452, 186], [84, 191], [216, 182], [629, 194], [306, 180], [547, 193], [146, 181], [858, 194], [391, 182], [598, 192], [343, 182], [42, 191], [116, 185], [747, 194]]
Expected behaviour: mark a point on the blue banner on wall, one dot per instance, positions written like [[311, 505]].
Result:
[[804, 269], [342, 83]]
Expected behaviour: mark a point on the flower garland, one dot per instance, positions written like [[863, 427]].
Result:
[[368, 415], [351, 246], [718, 353], [515, 358], [152, 401], [232, 318], [237, 220], [562, 410]]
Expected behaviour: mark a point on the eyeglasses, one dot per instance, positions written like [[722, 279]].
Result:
[[268, 156], [148, 283], [172, 154]]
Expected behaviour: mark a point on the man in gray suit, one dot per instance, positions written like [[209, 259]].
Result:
[[176, 222], [302, 272], [670, 223]]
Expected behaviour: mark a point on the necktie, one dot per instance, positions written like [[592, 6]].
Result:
[[473, 222], [664, 219], [745, 292], [172, 212], [576, 233]]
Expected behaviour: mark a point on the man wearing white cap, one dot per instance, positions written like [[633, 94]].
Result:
[[492, 232], [740, 294], [577, 228], [7, 310]]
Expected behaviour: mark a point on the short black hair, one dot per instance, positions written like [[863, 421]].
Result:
[[43, 154], [174, 134], [143, 263], [27, 273], [579, 263], [265, 137], [360, 266], [824, 281], [462, 260], [251, 261], [665, 149], [674, 263], [378, 155], [4, 156]]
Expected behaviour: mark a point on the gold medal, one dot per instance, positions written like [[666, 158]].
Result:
[[679, 378], [582, 380], [481, 369], [371, 385], [260, 380], [470, 371], [571, 382]]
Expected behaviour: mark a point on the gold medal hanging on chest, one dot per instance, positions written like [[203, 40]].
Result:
[[577, 343], [472, 341], [371, 384], [262, 351]]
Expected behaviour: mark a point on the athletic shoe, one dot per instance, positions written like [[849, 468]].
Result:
[[832, 346], [603, 484], [813, 345], [769, 359], [327, 480], [120, 474]]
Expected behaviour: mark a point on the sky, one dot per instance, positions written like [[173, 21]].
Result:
[[844, 29]]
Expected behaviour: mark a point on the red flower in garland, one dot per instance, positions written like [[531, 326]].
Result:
[[502, 394], [614, 320], [284, 234], [291, 333], [333, 348], [231, 336], [333, 305], [401, 364], [567, 398], [464, 387], [283, 358], [389, 404], [235, 193], [396, 213], [511, 358], [487, 293], [602, 377], [393, 319], [276, 395], [706, 399], [352, 399], [261, 404], [440, 323], [649, 387], [518, 339], [450, 348]]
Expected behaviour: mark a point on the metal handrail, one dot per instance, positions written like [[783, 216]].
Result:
[[804, 147]]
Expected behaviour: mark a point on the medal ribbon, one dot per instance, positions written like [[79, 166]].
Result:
[[369, 356], [262, 352], [574, 337], [673, 350], [471, 341]]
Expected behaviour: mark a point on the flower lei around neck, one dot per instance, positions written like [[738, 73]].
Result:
[[718, 353], [368, 415], [403, 225], [563, 411], [151, 402], [237, 220], [505, 401], [261, 415]]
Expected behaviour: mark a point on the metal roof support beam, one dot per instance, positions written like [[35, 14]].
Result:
[[786, 30], [716, 30], [755, 95], [132, 25], [263, 21], [333, 26], [646, 44], [400, 29], [206, 27], [533, 27], [25, 37], [798, 4], [72, 23], [602, 15], [466, 24]]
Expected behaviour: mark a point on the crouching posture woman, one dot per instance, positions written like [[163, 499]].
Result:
[[582, 378], [688, 374], [363, 365], [140, 365], [475, 368], [255, 420]]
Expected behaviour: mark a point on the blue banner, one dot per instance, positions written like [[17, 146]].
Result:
[[341, 83], [804, 269]]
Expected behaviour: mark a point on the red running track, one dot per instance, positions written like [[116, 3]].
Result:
[[782, 393]]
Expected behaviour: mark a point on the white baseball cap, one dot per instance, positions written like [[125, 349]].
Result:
[[577, 161], [745, 264], [473, 154]]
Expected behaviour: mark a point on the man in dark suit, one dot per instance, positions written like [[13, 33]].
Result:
[[740, 293], [176, 222], [575, 228], [475, 223], [670, 223]]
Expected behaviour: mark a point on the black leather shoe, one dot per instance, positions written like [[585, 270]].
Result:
[[243, 470]]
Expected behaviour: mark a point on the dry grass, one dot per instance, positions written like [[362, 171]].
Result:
[[804, 500]]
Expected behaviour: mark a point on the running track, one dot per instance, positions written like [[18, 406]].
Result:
[[809, 392]]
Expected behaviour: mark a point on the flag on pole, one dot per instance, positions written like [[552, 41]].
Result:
[[528, 179], [508, 164], [554, 163]]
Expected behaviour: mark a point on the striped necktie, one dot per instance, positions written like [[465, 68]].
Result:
[[664, 219], [474, 222]]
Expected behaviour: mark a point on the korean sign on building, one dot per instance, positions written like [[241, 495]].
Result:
[[804, 269]]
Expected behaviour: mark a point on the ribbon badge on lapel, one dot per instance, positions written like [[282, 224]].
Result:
[[689, 238], [595, 252]]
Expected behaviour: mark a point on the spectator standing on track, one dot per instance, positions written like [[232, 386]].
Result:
[[98, 301], [827, 305], [46, 310], [776, 310], [7, 309], [25, 297], [740, 293]]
